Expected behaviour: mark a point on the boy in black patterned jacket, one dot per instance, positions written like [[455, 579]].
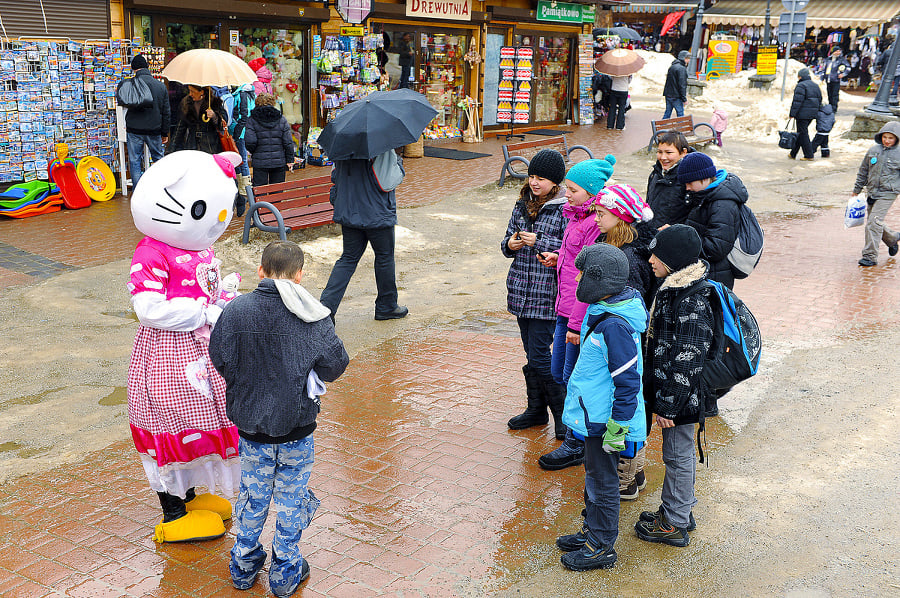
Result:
[[678, 342]]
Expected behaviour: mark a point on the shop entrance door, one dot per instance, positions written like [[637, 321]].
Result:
[[552, 74]]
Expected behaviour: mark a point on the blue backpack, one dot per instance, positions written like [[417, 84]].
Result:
[[224, 94], [737, 343]]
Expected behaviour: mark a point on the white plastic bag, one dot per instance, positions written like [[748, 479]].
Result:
[[855, 214]]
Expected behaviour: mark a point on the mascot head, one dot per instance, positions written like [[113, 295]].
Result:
[[186, 199]]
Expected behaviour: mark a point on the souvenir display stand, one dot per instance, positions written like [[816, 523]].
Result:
[[58, 91], [514, 89]]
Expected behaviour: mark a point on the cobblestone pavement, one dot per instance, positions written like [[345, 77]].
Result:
[[424, 490]]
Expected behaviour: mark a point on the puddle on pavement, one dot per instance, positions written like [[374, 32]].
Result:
[[119, 396], [500, 323], [30, 399], [21, 450], [126, 314]]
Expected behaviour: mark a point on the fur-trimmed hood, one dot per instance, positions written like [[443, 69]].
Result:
[[681, 279]]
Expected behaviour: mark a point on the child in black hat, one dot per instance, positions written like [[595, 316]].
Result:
[[678, 342], [536, 227], [715, 197]]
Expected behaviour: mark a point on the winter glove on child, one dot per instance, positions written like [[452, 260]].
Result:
[[614, 437]]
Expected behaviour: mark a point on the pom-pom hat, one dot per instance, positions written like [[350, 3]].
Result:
[[591, 175], [257, 63], [548, 164], [604, 272], [625, 202]]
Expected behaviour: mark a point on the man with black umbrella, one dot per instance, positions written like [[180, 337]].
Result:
[[367, 215]]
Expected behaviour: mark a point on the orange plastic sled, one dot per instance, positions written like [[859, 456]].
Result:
[[64, 174], [53, 203]]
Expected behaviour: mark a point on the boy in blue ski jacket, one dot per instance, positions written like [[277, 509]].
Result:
[[604, 401]]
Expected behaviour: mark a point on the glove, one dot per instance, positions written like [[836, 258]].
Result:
[[212, 314], [614, 437]]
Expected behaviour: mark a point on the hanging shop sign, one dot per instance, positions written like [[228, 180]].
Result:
[[456, 10], [560, 12], [514, 89], [354, 31]]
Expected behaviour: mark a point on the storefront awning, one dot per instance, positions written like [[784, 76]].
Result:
[[828, 14], [655, 7]]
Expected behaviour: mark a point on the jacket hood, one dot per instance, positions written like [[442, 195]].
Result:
[[627, 304], [827, 109], [267, 116], [298, 300], [725, 186], [264, 75], [892, 127]]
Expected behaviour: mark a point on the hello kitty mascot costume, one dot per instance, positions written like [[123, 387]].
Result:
[[176, 399]]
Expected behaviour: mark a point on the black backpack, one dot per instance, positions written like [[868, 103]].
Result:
[[135, 94]]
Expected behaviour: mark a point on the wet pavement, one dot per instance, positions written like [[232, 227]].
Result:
[[425, 492]]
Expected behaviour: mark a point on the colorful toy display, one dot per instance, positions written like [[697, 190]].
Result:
[[30, 199], [63, 172], [95, 176]]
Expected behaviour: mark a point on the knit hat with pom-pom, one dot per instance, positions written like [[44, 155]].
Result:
[[256, 64], [626, 203], [591, 175]]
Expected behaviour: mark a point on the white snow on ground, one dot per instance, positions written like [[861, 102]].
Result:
[[753, 114]]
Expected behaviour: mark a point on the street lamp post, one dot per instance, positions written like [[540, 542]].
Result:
[[767, 36], [695, 44], [880, 103]]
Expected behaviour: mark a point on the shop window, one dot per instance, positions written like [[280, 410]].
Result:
[[551, 75], [143, 29], [181, 37], [283, 50]]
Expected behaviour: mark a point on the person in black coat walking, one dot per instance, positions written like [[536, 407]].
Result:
[[146, 126], [824, 124], [715, 197], [269, 141], [804, 107], [675, 89]]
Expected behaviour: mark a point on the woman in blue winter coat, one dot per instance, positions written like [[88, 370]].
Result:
[[536, 229], [269, 141]]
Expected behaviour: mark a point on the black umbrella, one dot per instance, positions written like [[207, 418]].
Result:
[[381, 121]]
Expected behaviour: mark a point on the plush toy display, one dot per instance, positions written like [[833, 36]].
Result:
[[176, 399], [291, 96]]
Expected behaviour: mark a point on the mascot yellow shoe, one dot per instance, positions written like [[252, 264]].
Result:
[[196, 525], [210, 502]]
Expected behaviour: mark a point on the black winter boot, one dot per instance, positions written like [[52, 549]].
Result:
[[556, 397], [536, 412], [569, 453]]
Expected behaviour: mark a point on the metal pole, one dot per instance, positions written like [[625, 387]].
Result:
[[880, 103], [767, 36], [787, 51], [695, 44]]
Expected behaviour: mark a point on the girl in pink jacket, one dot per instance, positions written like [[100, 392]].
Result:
[[583, 182]]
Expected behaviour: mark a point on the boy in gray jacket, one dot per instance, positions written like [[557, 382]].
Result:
[[879, 173], [273, 347]]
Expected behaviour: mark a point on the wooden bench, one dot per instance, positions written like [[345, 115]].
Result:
[[682, 124], [282, 207], [517, 155]]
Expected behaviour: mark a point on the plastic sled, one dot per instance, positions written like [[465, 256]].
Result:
[[96, 177], [53, 203], [24, 193], [64, 174]]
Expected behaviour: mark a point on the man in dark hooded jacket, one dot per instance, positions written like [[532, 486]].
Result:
[[716, 197], [675, 90], [804, 107]]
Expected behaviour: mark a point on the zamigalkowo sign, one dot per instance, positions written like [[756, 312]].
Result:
[[457, 10]]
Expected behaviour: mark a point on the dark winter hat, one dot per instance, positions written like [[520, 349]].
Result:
[[683, 55], [591, 175], [139, 62], [548, 164], [677, 246], [803, 74], [696, 166], [604, 272]]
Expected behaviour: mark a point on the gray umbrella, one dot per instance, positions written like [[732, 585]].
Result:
[[381, 121], [622, 32]]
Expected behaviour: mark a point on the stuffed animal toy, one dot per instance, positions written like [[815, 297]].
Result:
[[239, 50], [176, 399], [253, 52], [292, 107], [272, 51]]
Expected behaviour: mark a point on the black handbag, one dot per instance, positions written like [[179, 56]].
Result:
[[787, 138]]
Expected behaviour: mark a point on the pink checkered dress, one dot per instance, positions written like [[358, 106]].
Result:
[[176, 398]]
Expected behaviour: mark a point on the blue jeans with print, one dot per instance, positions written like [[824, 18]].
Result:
[[273, 473], [564, 354]]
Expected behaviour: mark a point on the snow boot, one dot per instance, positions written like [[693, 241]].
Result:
[[536, 412], [570, 452], [556, 398]]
